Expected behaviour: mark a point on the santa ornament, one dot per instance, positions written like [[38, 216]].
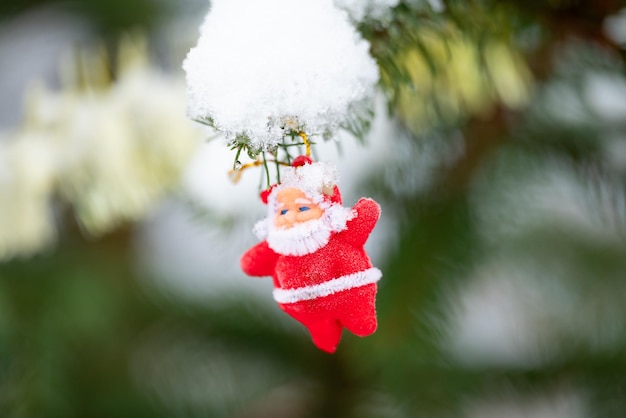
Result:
[[313, 249]]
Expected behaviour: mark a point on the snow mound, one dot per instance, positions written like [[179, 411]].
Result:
[[263, 67]]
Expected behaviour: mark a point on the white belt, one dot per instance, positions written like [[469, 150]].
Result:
[[350, 281]]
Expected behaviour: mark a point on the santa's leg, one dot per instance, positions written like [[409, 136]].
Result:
[[359, 311], [325, 329], [325, 333]]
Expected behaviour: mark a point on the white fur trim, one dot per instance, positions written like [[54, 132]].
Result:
[[261, 229], [350, 281], [310, 178]]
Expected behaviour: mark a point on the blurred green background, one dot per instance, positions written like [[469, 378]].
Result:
[[498, 154]]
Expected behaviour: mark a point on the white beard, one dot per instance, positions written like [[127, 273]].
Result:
[[307, 237]]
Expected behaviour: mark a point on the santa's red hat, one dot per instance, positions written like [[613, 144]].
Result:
[[318, 181]]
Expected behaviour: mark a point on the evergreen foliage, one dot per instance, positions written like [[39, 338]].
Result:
[[503, 290]]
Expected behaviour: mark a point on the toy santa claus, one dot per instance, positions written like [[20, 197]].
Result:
[[313, 249]]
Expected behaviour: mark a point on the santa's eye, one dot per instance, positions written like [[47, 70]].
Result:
[[304, 208], [284, 211]]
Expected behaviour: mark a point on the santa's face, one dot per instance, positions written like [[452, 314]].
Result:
[[294, 207], [298, 225]]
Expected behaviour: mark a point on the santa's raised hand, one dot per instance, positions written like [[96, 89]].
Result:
[[313, 249]]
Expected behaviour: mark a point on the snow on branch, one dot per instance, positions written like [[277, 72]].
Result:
[[262, 69]]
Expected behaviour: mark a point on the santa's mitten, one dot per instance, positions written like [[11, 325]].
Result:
[[259, 260]]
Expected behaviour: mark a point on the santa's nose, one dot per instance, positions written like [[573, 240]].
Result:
[[290, 217]]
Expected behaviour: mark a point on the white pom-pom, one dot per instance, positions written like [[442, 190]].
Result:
[[338, 216], [263, 65]]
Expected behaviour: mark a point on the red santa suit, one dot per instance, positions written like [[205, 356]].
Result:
[[329, 283]]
